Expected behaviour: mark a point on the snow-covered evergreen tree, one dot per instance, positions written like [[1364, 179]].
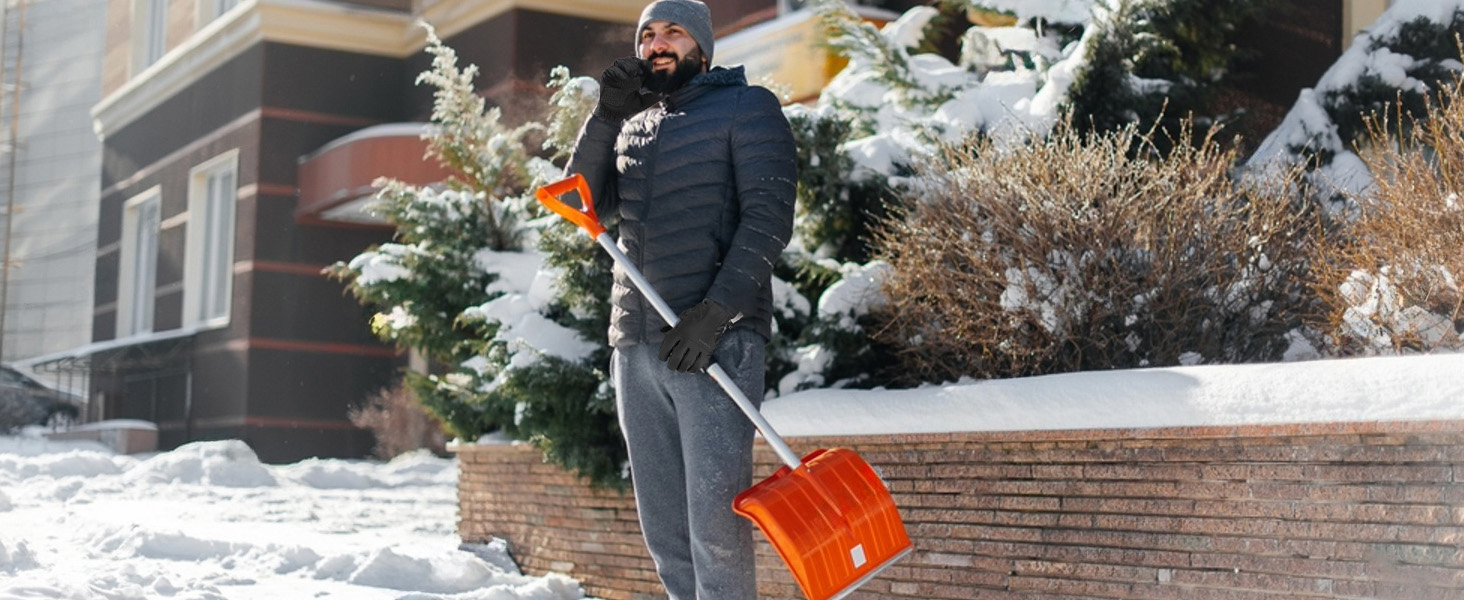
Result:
[[1008, 83], [1156, 63], [1400, 61], [514, 336]]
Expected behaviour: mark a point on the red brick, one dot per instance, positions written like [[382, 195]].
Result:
[[968, 472], [1093, 571], [1142, 472], [1253, 509], [1414, 591], [1302, 567], [1075, 587], [1025, 519], [1383, 474], [1143, 557], [1134, 506]]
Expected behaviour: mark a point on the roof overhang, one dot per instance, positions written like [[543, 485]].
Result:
[[156, 347], [339, 180]]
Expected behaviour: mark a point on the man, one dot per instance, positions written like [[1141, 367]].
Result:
[[699, 168]]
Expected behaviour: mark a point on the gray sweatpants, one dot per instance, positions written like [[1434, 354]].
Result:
[[690, 454]]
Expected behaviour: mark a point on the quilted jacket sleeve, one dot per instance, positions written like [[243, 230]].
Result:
[[765, 172], [594, 157]]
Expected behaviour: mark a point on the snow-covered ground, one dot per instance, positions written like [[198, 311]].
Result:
[[208, 521]]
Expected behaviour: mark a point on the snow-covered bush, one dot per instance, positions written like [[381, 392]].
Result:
[[1007, 83], [1396, 64], [836, 218], [1112, 62], [836, 213], [1082, 253], [828, 343], [470, 283], [1395, 277], [399, 423], [1158, 63]]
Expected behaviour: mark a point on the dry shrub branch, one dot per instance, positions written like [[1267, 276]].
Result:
[[399, 423], [1393, 280], [1092, 252]]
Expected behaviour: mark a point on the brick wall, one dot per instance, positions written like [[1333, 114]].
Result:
[[1340, 510]]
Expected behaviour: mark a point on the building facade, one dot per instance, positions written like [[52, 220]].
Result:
[[50, 62]]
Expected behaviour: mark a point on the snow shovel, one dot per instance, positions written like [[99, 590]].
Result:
[[828, 515]]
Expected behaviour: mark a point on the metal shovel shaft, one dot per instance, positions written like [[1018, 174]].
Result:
[[715, 370]]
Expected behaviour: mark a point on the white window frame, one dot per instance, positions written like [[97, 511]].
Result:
[[208, 274], [149, 32], [210, 10], [137, 271]]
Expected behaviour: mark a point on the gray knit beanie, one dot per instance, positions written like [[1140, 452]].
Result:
[[691, 14]]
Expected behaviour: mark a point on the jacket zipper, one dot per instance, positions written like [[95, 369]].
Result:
[[653, 154]]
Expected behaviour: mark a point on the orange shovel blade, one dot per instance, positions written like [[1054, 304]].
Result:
[[831, 519]]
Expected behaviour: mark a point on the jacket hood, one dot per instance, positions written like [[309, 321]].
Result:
[[701, 84], [721, 76]]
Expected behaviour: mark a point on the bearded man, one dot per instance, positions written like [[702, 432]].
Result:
[[699, 169]]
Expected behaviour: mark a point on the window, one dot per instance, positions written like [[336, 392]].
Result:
[[209, 271], [138, 272], [150, 39]]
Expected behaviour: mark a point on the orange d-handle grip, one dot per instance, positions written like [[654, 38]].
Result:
[[583, 216]]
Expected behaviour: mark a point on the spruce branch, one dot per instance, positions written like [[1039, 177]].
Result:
[[471, 140], [863, 44]]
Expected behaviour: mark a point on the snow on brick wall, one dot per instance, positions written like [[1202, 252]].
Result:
[[1333, 510]]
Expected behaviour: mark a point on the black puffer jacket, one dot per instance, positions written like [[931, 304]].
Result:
[[703, 187]]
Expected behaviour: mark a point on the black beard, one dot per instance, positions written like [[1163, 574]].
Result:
[[662, 82]]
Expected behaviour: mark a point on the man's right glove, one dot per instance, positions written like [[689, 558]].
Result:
[[620, 89], [689, 345]]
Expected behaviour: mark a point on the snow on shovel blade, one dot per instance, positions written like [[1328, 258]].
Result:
[[828, 515]]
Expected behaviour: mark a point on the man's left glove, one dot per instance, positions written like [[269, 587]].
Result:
[[620, 87], [689, 345]]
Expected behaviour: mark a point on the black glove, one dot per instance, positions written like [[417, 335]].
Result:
[[688, 346], [620, 89]]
